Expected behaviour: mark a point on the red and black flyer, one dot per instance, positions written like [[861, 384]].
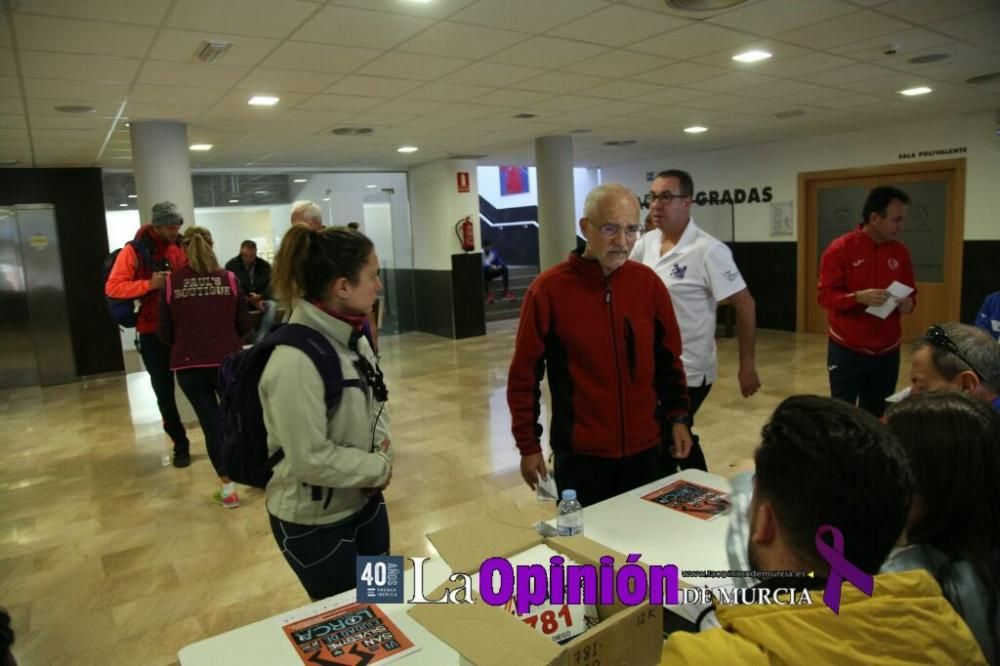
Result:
[[691, 499], [348, 635]]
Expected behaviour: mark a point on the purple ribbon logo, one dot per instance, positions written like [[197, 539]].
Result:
[[840, 568]]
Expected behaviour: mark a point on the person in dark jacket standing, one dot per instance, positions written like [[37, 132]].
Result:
[[203, 316], [252, 272], [135, 276], [604, 329]]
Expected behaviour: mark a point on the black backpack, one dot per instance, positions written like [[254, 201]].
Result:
[[123, 310], [244, 436]]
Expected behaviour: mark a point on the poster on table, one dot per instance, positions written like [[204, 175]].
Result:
[[691, 499], [347, 635]]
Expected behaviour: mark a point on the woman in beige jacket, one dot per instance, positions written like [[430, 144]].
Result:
[[324, 498]]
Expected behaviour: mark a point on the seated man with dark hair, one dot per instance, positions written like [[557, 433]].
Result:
[[957, 357], [494, 266], [826, 467]]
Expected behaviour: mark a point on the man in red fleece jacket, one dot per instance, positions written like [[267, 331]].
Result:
[[141, 275], [855, 272], [603, 327]]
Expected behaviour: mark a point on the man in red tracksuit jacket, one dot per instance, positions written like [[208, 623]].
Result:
[[136, 276], [855, 271], [603, 327]]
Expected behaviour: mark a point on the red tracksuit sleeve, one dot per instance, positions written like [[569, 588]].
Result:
[[526, 371], [833, 293], [670, 378], [121, 280], [911, 280]]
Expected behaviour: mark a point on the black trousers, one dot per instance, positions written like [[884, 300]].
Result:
[[156, 357], [492, 272], [323, 556], [695, 459], [596, 479], [860, 379], [201, 386]]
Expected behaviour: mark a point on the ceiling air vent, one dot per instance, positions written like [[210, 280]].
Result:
[[993, 77], [625, 142], [793, 113], [703, 5], [525, 115], [466, 157], [352, 131], [211, 50], [929, 58]]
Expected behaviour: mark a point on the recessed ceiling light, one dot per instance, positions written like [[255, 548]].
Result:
[[371, 187], [326, 198], [695, 129], [125, 205], [300, 180], [74, 108], [420, 2], [234, 201], [263, 100], [133, 196], [261, 192], [201, 146], [751, 56], [919, 90], [407, 149]]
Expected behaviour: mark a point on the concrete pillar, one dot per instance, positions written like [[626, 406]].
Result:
[[556, 204], [162, 166]]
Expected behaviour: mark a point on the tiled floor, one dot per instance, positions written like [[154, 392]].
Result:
[[109, 557]]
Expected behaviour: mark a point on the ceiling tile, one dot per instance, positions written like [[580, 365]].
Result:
[[260, 18], [569, 103], [560, 82], [779, 51], [514, 98], [339, 103], [836, 77], [13, 121], [8, 66], [90, 37], [618, 64], [11, 104], [808, 64], [193, 74], [680, 74], [732, 81], [263, 80], [621, 89], [490, 73], [166, 94], [976, 24], [713, 102], [958, 72], [931, 11], [319, 57], [69, 90], [526, 15], [547, 52], [691, 41], [475, 42], [990, 41], [848, 101], [356, 27], [770, 17], [416, 107], [618, 25], [906, 42], [186, 112], [371, 86], [183, 46], [412, 66], [145, 12], [447, 92], [64, 121], [844, 30], [81, 67], [673, 95]]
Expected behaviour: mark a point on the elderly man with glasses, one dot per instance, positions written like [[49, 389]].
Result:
[[604, 330], [699, 273], [953, 356]]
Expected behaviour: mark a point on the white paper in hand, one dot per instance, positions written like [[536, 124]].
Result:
[[897, 292], [545, 489]]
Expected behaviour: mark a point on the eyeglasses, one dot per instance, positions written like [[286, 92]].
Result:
[[612, 230], [939, 338], [666, 197]]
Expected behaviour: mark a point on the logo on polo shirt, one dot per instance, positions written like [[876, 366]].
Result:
[[893, 263], [678, 271], [732, 275]]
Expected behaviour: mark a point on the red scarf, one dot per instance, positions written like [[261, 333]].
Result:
[[356, 322]]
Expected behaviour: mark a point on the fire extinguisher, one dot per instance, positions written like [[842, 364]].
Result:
[[463, 229]]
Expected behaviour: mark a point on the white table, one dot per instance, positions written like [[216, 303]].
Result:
[[264, 643], [629, 524]]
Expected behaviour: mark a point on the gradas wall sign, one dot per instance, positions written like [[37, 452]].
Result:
[[936, 152], [737, 196]]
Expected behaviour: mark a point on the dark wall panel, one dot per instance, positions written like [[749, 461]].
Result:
[[769, 270], [467, 295], [83, 240], [433, 302], [980, 275]]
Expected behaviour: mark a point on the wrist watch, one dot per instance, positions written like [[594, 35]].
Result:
[[684, 419]]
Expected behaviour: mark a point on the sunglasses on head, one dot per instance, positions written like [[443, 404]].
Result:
[[938, 337]]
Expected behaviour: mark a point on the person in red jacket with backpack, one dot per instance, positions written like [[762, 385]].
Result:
[[203, 316], [139, 272], [855, 272]]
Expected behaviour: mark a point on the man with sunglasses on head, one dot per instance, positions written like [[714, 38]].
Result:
[[958, 357], [699, 272], [604, 330], [855, 273]]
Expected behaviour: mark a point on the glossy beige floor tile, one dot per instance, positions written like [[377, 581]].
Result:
[[108, 554]]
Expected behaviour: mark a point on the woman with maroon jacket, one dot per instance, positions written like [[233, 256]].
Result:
[[203, 316]]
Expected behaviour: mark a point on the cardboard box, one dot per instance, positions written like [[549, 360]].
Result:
[[487, 635]]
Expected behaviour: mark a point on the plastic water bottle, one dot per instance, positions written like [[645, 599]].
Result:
[[570, 519]]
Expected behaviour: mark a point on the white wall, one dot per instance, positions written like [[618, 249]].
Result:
[[436, 206], [377, 225], [778, 164]]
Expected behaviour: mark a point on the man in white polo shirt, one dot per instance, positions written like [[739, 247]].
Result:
[[699, 272]]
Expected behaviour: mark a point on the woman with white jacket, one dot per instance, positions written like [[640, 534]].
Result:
[[325, 496]]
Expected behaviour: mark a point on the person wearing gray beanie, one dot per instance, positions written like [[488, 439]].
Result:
[[165, 215]]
